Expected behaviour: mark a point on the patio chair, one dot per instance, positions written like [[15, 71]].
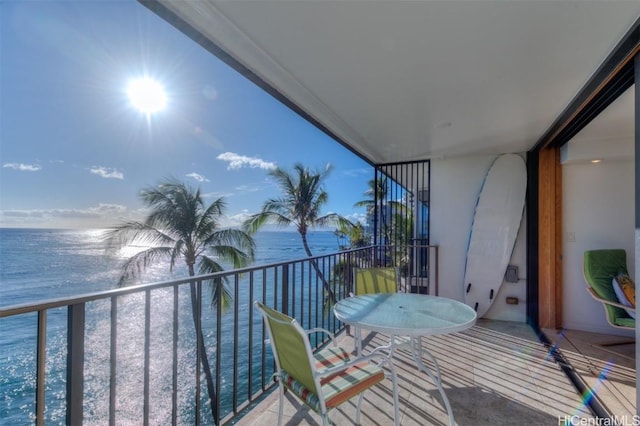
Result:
[[325, 379], [600, 268], [386, 280], [371, 281], [375, 280]]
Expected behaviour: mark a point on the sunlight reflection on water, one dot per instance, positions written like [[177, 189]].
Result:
[[73, 262]]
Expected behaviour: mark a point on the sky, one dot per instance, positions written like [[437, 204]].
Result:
[[75, 152]]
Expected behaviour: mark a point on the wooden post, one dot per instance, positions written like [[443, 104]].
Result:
[[550, 238], [637, 163]]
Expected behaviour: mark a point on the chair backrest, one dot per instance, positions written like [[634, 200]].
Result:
[[600, 267], [375, 280], [290, 346]]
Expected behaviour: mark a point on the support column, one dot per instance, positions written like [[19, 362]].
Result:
[[550, 238], [637, 191]]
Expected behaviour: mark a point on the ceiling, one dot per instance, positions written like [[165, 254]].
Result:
[[410, 80]]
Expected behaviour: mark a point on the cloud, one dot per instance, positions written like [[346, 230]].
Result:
[[102, 215], [237, 161], [23, 213], [23, 167], [357, 172], [249, 188], [236, 220], [106, 172], [107, 209], [197, 177], [216, 194], [357, 217], [101, 210]]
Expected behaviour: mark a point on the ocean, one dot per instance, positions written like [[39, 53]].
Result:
[[42, 264]]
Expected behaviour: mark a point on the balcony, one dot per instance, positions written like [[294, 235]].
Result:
[[496, 373], [129, 355]]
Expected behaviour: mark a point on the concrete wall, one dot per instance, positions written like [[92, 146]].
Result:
[[598, 212], [455, 185]]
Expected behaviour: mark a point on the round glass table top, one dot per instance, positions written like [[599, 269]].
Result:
[[405, 314]]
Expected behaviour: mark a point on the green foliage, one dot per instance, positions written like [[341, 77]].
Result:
[[300, 205], [303, 197], [352, 237], [181, 228]]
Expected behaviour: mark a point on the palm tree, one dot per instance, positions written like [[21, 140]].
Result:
[[355, 235], [392, 212], [378, 193], [303, 196], [180, 227]]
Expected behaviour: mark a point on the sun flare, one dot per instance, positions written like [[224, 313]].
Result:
[[147, 95]]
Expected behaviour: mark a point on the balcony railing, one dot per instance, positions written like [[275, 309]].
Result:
[[130, 354]]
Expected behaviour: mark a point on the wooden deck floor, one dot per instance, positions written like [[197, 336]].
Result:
[[496, 373]]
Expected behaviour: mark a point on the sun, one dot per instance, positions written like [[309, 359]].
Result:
[[147, 95]]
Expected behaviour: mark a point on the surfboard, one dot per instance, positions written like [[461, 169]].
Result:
[[494, 229]]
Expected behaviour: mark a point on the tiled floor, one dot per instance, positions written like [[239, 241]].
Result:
[[496, 373]]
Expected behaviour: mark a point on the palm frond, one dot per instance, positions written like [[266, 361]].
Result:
[[139, 262], [232, 245], [237, 258], [134, 234], [177, 254], [238, 239], [258, 220], [364, 203], [278, 205], [283, 179], [218, 286], [340, 221], [208, 224]]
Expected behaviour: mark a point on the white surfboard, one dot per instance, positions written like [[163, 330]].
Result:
[[494, 230]]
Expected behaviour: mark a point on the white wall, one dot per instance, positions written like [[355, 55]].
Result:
[[455, 185], [598, 213]]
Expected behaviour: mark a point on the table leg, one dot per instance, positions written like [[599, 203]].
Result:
[[396, 414], [387, 351], [358, 340], [416, 351]]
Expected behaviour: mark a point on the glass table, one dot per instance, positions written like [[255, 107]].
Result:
[[407, 314]]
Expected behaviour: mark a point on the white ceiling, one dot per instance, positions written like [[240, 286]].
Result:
[[410, 80]]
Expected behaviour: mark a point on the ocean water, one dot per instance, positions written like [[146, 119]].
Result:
[[39, 264]]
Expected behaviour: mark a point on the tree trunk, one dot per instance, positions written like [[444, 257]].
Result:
[[325, 284], [202, 348]]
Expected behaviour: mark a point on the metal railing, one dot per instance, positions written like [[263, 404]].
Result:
[[132, 353]]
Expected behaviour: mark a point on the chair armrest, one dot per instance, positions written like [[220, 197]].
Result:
[[354, 361], [314, 330], [608, 302], [323, 331]]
